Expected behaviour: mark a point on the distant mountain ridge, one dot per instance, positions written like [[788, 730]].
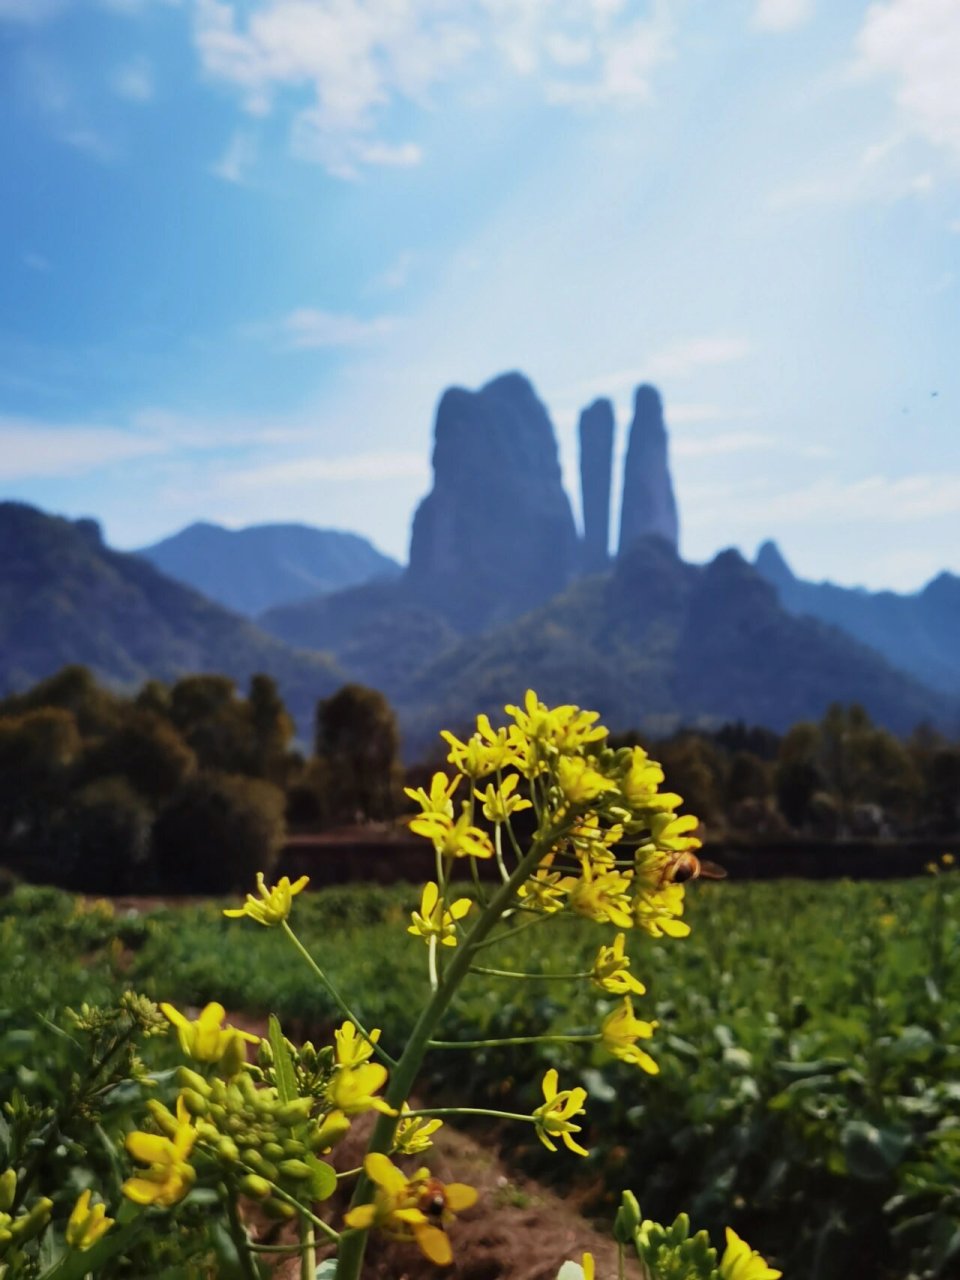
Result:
[[66, 598], [253, 569], [918, 633], [653, 643]]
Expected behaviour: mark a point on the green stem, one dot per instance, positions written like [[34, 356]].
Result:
[[511, 973], [308, 1258], [342, 1004], [402, 1079], [470, 1111], [484, 1044], [240, 1237]]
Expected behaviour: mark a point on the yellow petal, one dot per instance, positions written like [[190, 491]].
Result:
[[550, 1084], [459, 1196], [149, 1148], [361, 1217], [434, 1244], [142, 1190], [384, 1173]]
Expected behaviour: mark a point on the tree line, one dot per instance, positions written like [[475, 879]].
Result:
[[191, 787]]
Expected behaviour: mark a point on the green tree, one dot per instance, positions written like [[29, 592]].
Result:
[[358, 739], [272, 730], [145, 749], [99, 841], [216, 832], [38, 750]]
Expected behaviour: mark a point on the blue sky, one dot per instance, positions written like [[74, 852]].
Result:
[[245, 244]]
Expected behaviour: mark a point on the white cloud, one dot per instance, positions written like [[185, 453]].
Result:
[[681, 359], [90, 141], [29, 449], [782, 15], [916, 43], [308, 327], [238, 159], [134, 81], [718, 445], [342, 66], [311, 470], [874, 499]]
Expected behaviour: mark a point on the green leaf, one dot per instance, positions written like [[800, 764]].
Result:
[[323, 1180], [327, 1269], [284, 1074], [872, 1153]]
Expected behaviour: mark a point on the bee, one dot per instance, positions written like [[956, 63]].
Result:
[[432, 1199], [682, 867]]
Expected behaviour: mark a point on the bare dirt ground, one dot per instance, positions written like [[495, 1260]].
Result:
[[518, 1230]]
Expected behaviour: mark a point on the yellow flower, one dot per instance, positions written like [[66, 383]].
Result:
[[600, 897], [610, 970], [640, 782], [86, 1225], [485, 752], [657, 911], [352, 1048], [438, 800], [499, 804], [566, 728], [619, 1033], [273, 905], [544, 890], [552, 1119], [435, 919], [740, 1262], [400, 1207], [169, 1176], [352, 1089], [593, 842], [670, 832], [206, 1039], [580, 782], [413, 1133], [947, 859], [451, 839]]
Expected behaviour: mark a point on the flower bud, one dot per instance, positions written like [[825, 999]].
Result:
[[294, 1147], [273, 1151], [329, 1133], [193, 1080], [255, 1186], [227, 1150], [195, 1103], [8, 1188], [275, 1208], [296, 1169], [628, 1218]]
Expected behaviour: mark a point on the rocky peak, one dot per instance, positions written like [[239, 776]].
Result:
[[596, 466], [495, 536], [649, 505], [770, 564]]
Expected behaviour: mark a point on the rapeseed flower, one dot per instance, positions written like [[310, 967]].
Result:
[[439, 799], [553, 1118], [400, 1207], [206, 1039], [639, 784], [352, 1047], [353, 1090], [169, 1177], [414, 1133], [603, 897], [435, 919], [483, 753], [580, 781], [460, 839], [620, 1031], [740, 1262], [87, 1225], [564, 729], [500, 802], [610, 970], [273, 905]]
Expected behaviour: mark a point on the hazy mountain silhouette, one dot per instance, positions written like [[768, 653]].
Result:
[[919, 632], [66, 598], [253, 569]]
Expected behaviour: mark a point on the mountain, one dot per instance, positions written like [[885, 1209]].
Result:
[[496, 534], [250, 570], [655, 643], [919, 632], [66, 598], [648, 505]]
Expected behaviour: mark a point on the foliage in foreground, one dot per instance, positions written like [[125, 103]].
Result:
[[807, 1047], [606, 846]]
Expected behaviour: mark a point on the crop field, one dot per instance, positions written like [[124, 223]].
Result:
[[808, 1044]]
